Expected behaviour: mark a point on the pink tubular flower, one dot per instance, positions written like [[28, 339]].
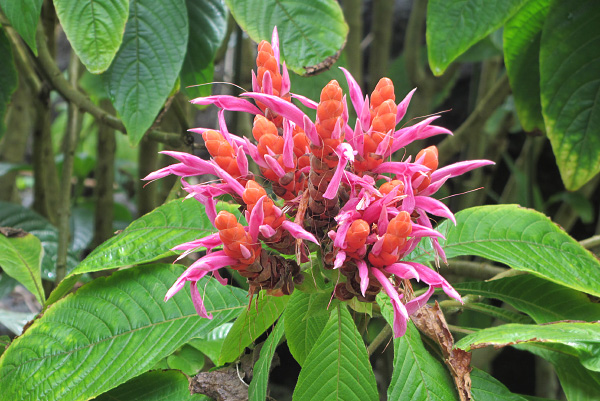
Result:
[[333, 184]]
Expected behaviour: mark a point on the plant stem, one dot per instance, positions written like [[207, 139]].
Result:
[[69, 145], [147, 197], [381, 26], [383, 336], [353, 16], [478, 270], [591, 242]]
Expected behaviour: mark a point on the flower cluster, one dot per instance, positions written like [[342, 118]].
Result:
[[337, 185]]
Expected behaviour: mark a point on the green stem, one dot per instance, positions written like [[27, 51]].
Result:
[[381, 27], [383, 336], [481, 271], [353, 16], [591, 242], [69, 145]]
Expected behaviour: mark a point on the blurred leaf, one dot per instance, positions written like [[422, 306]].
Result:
[[522, 239], [309, 32], [337, 367], [82, 227], [15, 321], [484, 387], [417, 375], [569, 61], [8, 167], [582, 338], [499, 313], [148, 63], [8, 77], [23, 16], [302, 330], [260, 380], [212, 343], [453, 26], [188, 359], [580, 204], [167, 385], [21, 258], [7, 284], [94, 29], [208, 25], [4, 342], [118, 324], [250, 324], [543, 300], [17, 216], [522, 36]]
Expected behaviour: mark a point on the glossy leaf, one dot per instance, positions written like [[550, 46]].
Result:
[[453, 26], [148, 63], [8, 77], [260, 381], [543, 300], [94, 29], [417, 375], [208, 24], [583, 338], [23, 16], [301, 329], [522, 239], [153, 386], [309, 32], [485, 387], [337, 367], [212, 343], [187, 359], [522, 35], [17, 216], [250, 324], [117, 327], [21, 258], [569, 59]]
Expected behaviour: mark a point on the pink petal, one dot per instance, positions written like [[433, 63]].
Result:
[[403, 270], [400, 312], [434, 279], [256, 219], [273, 165], [217, 275], [298, 232], [285, 80], [267, 231], [363, 273], [245, 251], [253, 152], [415, 304], [275, 43], [279, 106], [267, 83], [345, 153], [356, 95], [288, 145], [403, 105], [198, 302], [459, 168], [311, 104], [434, 206], [228, 102], [311, 131], [340, 257], [242, 162]]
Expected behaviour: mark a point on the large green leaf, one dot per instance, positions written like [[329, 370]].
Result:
[[578, 383], [208, 24], [260, 381], [302, 330], [8, 77], [522, 35], [21, 258], [543, 300], [570, 88], [309, 32], [94, 29], [417, 375], [524, 240], [23, 16], [17, 216], [337, 367], [583, 338], [212, 343], [250, 324], [453, 26], [108, 332], [485, 388], [148, 63], [153, 386]]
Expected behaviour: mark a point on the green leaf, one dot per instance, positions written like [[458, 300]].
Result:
[[153, 386], [15, 321], [94, 29], [260, 381], [309, 32], [543, 300], [148, 63], [453, 26], [212, 343], [250, 324], [208, 24], [496, 312], [484, 387], [524, 240], [187, 359], [522, 35], [570, 87], [23, 16], [583, 338], [417, 375], [4, 343], [337, 367], [8, 77], [302, 330], [117, 327], [578, 383], [148, 238], [21, 258], [17, 216]]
